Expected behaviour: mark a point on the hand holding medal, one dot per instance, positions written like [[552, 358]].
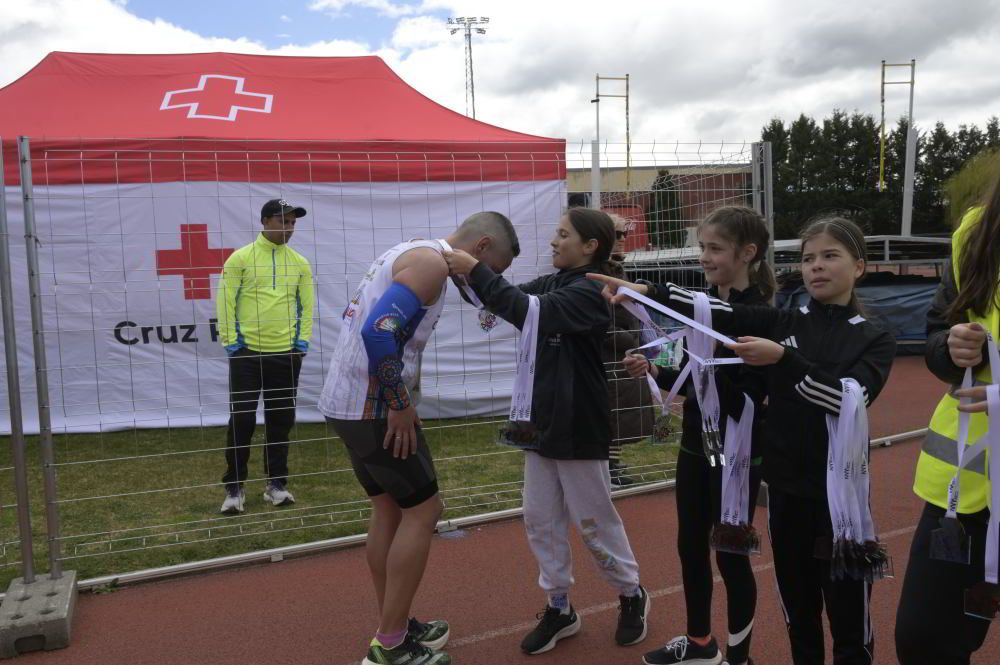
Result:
[[460, 264]]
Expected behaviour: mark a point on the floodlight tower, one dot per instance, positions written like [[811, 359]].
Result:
[[467, 24]]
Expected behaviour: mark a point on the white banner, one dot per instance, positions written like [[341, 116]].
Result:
[[129, 310]]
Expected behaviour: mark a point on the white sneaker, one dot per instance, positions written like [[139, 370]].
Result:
[[233, 505], [277, 495]]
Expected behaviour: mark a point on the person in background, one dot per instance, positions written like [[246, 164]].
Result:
[[632, 413], [264, 307]]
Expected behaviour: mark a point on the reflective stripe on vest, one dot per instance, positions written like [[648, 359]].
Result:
[[943, 449], [938, 457]]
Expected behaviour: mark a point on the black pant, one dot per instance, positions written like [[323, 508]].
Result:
[[804, 585], [699, 501], [931, 624], [276, 375]]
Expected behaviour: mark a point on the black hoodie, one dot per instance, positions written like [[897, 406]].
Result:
[[569, 408]]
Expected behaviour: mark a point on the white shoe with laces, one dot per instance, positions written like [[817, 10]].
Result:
[[234, 503], [277, 495]]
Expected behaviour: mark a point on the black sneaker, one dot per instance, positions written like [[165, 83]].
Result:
[[682, 650], [618, 477], [552, 627], [632, 612]]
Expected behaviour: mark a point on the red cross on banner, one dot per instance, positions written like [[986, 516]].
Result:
[[195, 261]]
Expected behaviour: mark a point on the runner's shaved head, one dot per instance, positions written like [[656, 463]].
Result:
[[493, 224]]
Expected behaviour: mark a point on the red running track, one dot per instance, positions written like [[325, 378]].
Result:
[[320, 611]]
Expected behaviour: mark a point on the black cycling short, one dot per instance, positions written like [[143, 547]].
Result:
[[409, 481]]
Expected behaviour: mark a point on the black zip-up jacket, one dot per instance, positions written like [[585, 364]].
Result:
[[732, 381], [936, 352], [569, 407], [823, 344]]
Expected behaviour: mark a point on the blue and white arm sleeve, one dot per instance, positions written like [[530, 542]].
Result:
[[383, 338]]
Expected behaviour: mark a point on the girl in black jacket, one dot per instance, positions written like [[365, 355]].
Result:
[[567, 438], [812, 355], [733, 242]]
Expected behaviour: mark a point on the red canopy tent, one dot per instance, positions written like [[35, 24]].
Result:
[[158, 118]]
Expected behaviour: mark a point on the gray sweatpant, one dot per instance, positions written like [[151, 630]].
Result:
[[557, 492]]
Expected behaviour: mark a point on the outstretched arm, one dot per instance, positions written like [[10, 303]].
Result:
[[757, 321], [575, 308]]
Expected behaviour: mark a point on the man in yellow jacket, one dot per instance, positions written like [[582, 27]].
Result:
[[264, 307]]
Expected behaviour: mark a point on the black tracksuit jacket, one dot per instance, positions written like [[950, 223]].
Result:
[[569, 406], [823, 344], [732, 381]]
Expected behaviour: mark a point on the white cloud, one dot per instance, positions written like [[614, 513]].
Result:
[[713, 70], [285, 18], [420, 32], [383, 7]]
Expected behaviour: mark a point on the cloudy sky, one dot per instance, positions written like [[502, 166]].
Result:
[[707, 70]]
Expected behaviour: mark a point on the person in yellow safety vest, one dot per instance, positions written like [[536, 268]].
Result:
[[947, 554], [265, 311]]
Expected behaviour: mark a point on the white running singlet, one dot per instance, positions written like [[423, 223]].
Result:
[[349, 392]]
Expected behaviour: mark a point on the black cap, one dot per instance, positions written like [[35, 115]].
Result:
[[280, 207]]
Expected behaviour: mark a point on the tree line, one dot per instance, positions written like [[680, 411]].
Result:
[[833, 166]]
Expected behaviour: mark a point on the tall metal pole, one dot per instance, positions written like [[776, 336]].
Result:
[[911, 157], [597, 131], [756, 172], [881, 143], [628, 143], [906, 226], [14, 393], [768, 211], [595, 148], [31, 242]]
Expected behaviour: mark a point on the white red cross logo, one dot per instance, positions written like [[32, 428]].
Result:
[[217, 97]]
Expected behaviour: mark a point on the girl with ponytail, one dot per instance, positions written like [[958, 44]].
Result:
[[561, 418], [733, 242]]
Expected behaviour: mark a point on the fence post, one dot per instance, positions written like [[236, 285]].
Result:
[[768, 212], [595, 174], [31, 243], [14, 391], [39, 614], [762, 187]]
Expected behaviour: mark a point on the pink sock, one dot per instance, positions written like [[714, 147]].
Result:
[[390, 640]]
